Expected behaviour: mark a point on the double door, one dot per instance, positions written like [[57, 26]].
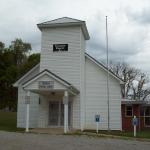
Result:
[[56, 113]]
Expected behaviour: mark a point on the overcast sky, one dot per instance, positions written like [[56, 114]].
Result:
[[128, 25]]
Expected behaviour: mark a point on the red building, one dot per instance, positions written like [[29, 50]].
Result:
[[140, 109]]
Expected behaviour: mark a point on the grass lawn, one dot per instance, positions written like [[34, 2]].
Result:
[[8, 121], [141, 134]]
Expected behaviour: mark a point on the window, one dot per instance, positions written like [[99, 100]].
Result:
[[142, 111], [147, 116], [147, 111], [129, 111], [147, 121]]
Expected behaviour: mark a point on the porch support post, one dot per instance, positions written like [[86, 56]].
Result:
[[65, 101], [27, 102]]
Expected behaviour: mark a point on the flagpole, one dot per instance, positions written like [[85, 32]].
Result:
[[108, 98]]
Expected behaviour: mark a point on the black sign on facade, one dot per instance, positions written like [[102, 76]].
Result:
[[60, 47]]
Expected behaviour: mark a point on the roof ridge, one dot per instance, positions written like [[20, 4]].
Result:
[[61, 18]]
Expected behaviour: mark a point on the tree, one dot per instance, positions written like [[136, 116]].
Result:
[[2, 46], [140, 92], [134, 81], [30, 63], [126, 73], [20, 50], [15, 61]]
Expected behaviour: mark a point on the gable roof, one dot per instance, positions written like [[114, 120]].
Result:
[[62, 20], [64, 81], [65, 21], [56, 77], [103, 67]]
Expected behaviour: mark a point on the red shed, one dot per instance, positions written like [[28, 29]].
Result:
[[140, 109]]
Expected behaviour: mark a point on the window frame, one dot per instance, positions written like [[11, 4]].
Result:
[[146, 116], [142, 110], [126, 110]]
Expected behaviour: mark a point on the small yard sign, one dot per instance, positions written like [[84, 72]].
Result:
[[134, 123], [97, 120]]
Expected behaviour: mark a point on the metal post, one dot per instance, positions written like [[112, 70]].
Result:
[[97, 120], [97, 126], [59, 113], [134, 131], [27, 110], [65, 111], [134, 128], [107, 75]]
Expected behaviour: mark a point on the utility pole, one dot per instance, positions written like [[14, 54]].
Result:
[[107, 76]]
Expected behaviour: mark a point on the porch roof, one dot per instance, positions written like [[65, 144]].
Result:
[[46, 75], [128, 101]]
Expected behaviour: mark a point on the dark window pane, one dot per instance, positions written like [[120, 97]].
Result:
[[129, 113], [147, 111], [128, 110], [142, 111], [147, 121]]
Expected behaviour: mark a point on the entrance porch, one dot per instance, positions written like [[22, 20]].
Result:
[[55, 100]]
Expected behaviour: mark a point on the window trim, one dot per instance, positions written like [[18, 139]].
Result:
[[144, 121], [126, 110], [142, 115], [146, 117]]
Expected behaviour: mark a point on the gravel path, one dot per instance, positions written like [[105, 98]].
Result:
[[22, 141]]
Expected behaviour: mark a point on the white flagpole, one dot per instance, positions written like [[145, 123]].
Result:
[[107, 75]]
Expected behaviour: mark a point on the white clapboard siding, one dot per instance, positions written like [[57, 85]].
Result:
[[21, 107], [68, 65], [21, 112], [64, 64], [96, 98], [76, 112]]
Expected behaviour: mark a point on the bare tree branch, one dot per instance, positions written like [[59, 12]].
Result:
[[134, 80]]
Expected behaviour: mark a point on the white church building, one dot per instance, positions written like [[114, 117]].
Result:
[[68, 87]]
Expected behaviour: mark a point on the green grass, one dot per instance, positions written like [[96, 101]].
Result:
[[8, 121], [141, 134]]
